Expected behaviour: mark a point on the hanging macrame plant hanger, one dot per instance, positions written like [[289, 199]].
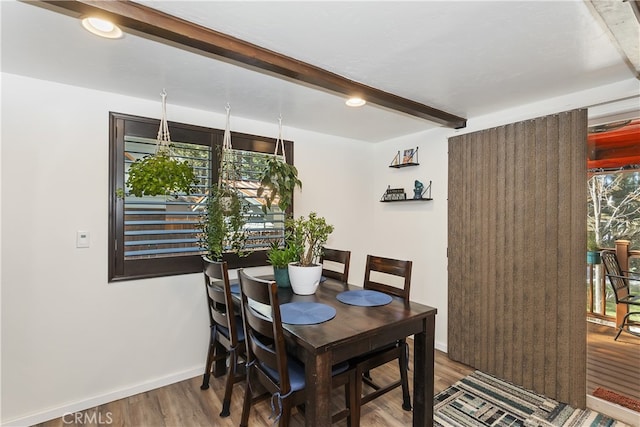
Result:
[[161, 173], [228, 175], [280, 142], [279, 178], [226, 212], [163, 141]]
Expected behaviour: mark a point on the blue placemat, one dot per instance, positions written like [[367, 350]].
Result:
[[306, 313], [364, 298]]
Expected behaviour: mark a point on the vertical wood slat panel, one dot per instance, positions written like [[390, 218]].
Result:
[[539, 261], [502, 340], [519, 244], [578, 248], [474, 273], [527, 255], [510, 227], [454, 222], [462, 296], [564, 261], [456, 197], [482, 216], [551, 273], [492, 308], [515, 253]]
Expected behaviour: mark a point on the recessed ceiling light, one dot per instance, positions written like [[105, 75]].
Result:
[[102, 28], [355, 102]]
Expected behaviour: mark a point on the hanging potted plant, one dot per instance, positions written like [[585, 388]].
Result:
[[161, 173], [278, 179], [593, 250], [222, 226], [307, 236]]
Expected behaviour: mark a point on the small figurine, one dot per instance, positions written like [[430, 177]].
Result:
[[418, 189]]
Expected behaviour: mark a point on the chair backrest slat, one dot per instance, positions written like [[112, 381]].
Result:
[[263, 326], [393, 267], [339, 257], [619, 283], [220, 302]]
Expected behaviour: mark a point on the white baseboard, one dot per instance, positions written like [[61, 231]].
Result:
[[442, 347], [614, 411], [102, 399]]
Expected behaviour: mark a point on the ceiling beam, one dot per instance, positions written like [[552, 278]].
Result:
[[177, 32], [620, 20]]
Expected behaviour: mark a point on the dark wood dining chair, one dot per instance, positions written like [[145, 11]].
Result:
[[379, 270], [269, 363], [619, 280], [336, 259], [227, 332]]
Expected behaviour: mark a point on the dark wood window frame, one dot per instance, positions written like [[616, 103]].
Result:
[[119, 124]]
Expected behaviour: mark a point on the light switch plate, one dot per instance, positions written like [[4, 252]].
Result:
[[82, 239]]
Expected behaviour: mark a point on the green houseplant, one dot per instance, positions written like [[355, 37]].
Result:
[[161, 173], [226, 211], [307, 236], [280, 257], [222, 224], [593, 249], [277, 182]]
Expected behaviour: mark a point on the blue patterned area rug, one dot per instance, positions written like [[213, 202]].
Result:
[[483, 400]]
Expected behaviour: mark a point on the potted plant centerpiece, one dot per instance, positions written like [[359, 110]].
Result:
[[280, 257], [307, 236]]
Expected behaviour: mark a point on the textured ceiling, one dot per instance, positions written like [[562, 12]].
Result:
[[467, 58]]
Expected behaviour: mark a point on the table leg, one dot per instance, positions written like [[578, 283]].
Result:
[[318, 390], [423, 372]]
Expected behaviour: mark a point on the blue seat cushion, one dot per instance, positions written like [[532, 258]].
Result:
[[239, 328], [296, 370], [296, 373]]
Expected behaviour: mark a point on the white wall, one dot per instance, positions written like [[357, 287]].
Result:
[[416, 231], [70, 340]]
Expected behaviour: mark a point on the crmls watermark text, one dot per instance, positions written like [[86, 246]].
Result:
[[87, 418]]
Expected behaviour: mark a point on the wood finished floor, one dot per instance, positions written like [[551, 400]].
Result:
[[613, 365], [610, 364], [184, 405]]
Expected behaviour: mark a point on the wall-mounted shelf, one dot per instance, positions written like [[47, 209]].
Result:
[[403, 165], [408, 158], [406, 200], [399, 195]]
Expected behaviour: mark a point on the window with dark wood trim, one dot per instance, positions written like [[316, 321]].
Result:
[[158, 236]]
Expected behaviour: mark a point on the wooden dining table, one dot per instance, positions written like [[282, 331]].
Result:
[[354, 331]]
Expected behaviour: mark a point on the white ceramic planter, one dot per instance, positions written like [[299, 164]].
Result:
[[304, 280]]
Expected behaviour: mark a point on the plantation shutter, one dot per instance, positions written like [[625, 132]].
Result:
[[159, 235], [263, 228], [165, 225]]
